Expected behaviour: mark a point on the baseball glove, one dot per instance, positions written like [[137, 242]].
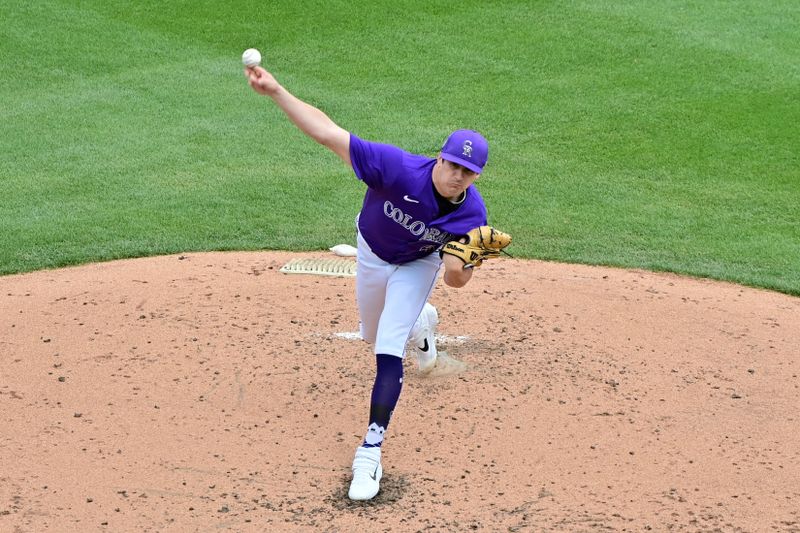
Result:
[[481, 243]]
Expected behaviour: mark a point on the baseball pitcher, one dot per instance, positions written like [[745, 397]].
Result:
[[419, 214]]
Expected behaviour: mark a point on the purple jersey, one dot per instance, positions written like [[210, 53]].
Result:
[[400, 216]]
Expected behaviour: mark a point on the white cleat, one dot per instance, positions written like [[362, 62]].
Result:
[[367, 473], [423, 337]]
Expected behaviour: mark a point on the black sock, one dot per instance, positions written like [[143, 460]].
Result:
[[385, 392]]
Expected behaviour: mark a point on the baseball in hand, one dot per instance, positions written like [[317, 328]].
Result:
[[251, 57]]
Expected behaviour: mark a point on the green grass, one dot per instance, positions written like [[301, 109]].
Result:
[[656, 135]]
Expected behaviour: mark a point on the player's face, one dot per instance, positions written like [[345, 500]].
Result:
[[451, 179]]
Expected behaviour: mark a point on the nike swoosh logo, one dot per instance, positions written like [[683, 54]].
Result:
[[407, 198], [425, 346], [374, 475]]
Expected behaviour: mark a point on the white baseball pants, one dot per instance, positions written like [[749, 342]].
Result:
[[390, 297]]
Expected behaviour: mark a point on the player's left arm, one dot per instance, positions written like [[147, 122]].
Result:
[[470, 251], [455, 275]]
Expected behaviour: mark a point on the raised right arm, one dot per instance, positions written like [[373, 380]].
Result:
[[306, 117]]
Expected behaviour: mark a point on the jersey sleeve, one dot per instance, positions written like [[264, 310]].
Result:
[[375, 164]]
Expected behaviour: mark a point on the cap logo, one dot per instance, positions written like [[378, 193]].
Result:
[[467, 148]]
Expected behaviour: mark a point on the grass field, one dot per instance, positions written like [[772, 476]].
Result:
[[656, 135]]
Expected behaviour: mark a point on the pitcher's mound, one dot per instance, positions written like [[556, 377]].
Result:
[[212, 392]]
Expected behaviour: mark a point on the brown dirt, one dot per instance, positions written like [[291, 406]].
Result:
[[210, 392]]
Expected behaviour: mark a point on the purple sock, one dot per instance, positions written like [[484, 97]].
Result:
[[385, 392]]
